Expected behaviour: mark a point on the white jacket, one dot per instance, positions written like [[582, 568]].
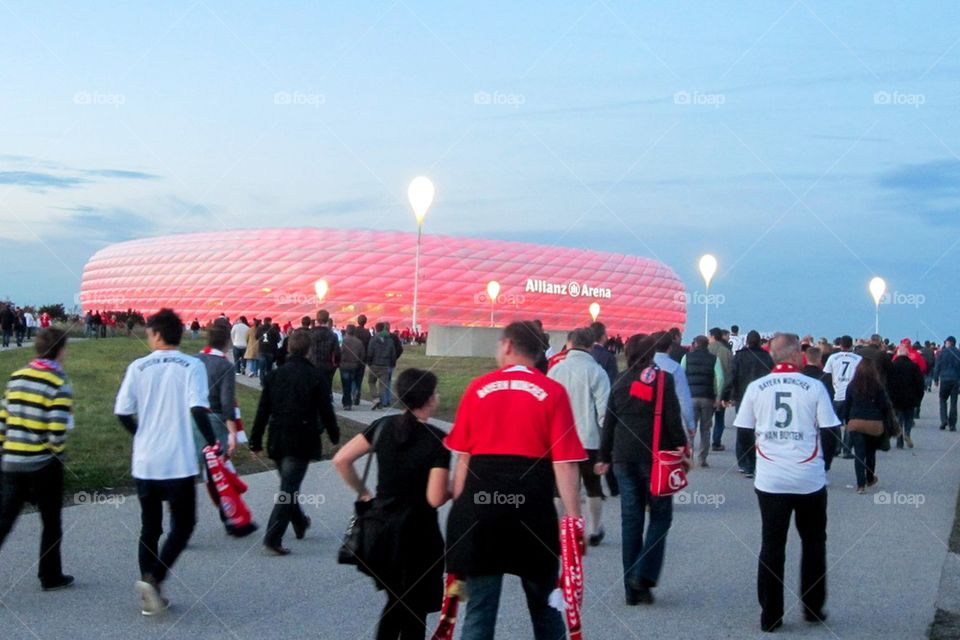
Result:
[[588, 386]]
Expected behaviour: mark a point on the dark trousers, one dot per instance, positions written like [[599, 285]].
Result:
[[949, 390], [181, 494], [7, 334], [401, 620], [358, 382], [832, 439], [238, 361], [811, 521], [480, 619], [266, 364], [718, 426], [746, 450], [348, 380], [44, 487], [286, 507], [865, 456], [642, 554], [906, 418]]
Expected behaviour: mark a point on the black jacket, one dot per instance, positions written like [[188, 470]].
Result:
[[862, 407], [818, 373], [749, 364], [297, 402], [324, 349], [905, 384], [269, 339], [606, 359], [701, 376]]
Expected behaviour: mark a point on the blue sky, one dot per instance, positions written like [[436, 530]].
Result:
[[808, 145]]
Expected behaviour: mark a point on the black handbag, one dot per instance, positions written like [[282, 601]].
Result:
[[361, 531]]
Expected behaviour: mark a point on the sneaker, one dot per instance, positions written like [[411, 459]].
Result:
[[909, 441], [278, 550], [62, 582], [704, 465], [153, 601], [861, 490], [873, 483], [718, 447], [747, 474]]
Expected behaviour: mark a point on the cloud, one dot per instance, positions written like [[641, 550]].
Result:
[[120, 173], [39, 181], [928, 190], [108, 224]]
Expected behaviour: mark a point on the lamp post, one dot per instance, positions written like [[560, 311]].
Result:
[[708, 267], [877, 287], [594, 310], [320, 287], [420, 193], [493, 290]]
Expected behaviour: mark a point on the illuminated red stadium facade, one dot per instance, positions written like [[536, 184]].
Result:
[[274, 272]]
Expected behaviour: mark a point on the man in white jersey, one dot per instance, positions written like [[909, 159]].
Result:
[[168, 392], [841, 365], [787, 411]]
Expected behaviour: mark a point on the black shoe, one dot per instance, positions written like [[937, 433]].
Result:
[[772, 626], [631, 597], [813, 617], [61, 583], [718, 447], [847, 456], [943, 427], [953, 428], [596, 538], [278, 550], [300, 531], [644, 595]]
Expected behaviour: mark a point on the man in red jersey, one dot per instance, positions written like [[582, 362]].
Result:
[[515, 438]]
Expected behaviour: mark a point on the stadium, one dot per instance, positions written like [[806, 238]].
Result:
[[286, 273]]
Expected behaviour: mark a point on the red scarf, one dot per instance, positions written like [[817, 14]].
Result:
[[785, 367], [571, 576]]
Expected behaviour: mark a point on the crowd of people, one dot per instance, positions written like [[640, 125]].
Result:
[[525, 438], [20, 323]]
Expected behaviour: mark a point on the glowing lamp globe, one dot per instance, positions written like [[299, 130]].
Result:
[[878, 287], [420, 193], [493, 290], [708, 267], [320, 287], [594, 310]]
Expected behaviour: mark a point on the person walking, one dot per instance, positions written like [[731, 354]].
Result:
[[946, 375], [8, 319], [252, 355], [608, 360], [324, 347], [664, 341], [718, 347], [167, 392], [268, 335], [297, 404], [238, 337], [865, 408], [814, 369], [588, 387], [222, 388], [382, 358], [905, 386], [35, 419], [841, 365], [627, 444], [362, 334], [787, 411], [352, 355], [705, 377], [749, 363], [413, 481], [503, 519]]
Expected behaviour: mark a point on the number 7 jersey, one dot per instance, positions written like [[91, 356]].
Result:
[[787, 410]]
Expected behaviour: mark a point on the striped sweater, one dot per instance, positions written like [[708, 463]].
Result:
[[35, 416]]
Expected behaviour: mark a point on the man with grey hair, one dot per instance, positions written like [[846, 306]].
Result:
[[786, 410]]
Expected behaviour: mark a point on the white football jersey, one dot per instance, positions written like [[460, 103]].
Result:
[[841, 366]]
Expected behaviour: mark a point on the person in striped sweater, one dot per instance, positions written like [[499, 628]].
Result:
[[35, 417]]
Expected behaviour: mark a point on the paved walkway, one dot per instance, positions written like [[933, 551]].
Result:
[[886, 550]]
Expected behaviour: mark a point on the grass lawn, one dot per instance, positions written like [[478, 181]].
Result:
[[98, 451]]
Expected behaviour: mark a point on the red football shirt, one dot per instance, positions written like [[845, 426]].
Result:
[[516, 411]]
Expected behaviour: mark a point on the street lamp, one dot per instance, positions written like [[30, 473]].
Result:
[[420, 193], [493, 290], [320, 287], [594, 310], [877, 288], [708, 267]]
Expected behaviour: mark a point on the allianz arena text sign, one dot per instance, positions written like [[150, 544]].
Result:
[[573, 289]]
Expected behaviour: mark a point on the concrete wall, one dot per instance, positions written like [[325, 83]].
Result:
[[474, 341]]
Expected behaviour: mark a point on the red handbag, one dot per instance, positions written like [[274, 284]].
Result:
[[667, 475]]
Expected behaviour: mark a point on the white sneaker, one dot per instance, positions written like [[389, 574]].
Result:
[[152, 602]]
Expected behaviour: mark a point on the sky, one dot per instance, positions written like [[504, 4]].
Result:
[[808, 145]]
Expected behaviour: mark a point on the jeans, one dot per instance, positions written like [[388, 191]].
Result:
[[746, 450], [286, 507], [400, 619], [348, 380], [811, 522], [906, 423], [838, 408], [703, 411], [253, 364], [238, 361], [832, 439], [265, 365], [20, 334], [642, 555], [7, 334], [949, 389], [358, 383], [181, 493], [480, 618], [380, 384], [45, 487], [865, 454], [195, 334], [719, 417]]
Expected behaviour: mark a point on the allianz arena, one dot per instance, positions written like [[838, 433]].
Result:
[[275, 272]]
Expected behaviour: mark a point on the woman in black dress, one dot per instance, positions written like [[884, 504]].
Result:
[[412, 482]]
